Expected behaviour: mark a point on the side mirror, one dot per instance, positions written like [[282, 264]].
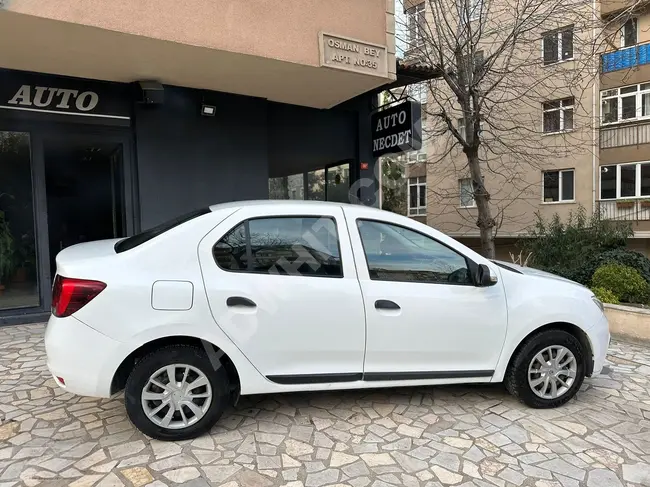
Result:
[[484, 278]]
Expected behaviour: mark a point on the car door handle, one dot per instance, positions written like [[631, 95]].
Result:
[[240, 301], [386, 304]]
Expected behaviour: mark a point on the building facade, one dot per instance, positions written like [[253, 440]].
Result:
[[115, 117], [600, 121]]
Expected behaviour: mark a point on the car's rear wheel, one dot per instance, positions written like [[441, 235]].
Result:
[[547, 370], [175, 393]]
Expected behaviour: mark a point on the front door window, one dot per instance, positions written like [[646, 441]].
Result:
[[396, 253], [18, 268]]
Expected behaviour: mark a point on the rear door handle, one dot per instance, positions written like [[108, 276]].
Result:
[[386, 304], [240, 301]]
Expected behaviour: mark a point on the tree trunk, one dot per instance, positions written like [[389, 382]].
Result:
[[485, 222]]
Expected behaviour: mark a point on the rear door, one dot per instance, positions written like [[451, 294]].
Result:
[[284, 288]]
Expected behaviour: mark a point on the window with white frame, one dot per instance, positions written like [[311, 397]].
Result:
[[417, 156], [630, 32], [558, 45], [625, 104], [461, 127], [469, 9], [558, 115], [415, 24], [625, 181], [558, 186], [417, 194], [466, 189]]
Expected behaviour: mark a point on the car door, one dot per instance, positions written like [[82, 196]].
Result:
[[284, 288], [425, 317]]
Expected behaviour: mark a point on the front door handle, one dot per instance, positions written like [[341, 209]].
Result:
[[240, 301], [386, 304]]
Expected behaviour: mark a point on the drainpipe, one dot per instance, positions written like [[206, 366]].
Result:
[[595, 118]]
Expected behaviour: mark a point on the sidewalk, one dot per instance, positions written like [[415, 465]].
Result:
[[467, 436]]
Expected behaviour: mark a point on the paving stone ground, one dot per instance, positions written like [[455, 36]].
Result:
[[426, 437]]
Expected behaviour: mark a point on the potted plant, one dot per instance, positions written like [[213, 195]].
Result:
[[7, 257], [645, 203], [25, 258], [625, 204]]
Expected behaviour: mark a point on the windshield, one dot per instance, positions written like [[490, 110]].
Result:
[[140, 238]]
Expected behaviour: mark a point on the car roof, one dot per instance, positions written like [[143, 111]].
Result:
[[288, 204]]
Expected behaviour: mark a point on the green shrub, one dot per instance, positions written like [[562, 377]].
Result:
[[573, 249], [605, 295], [624, 281]]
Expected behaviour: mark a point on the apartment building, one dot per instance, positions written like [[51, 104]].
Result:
[[116, 116], [601, 123]]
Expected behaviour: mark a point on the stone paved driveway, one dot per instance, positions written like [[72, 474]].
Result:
[[469, 436]]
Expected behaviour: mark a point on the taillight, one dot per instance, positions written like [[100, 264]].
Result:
[[70, 295]]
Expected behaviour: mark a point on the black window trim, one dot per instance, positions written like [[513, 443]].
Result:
[[472, 266], [249, 250]]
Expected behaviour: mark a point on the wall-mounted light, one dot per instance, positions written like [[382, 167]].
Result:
[[208, 110]]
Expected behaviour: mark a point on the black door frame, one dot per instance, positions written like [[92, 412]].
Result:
[[39, 132]]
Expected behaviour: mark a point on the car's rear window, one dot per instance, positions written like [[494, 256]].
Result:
[[132, 242]]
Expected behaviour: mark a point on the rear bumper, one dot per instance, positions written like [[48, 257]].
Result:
[[79, 355], [599, 337]]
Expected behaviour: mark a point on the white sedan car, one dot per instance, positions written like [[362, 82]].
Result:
[[267, 297]]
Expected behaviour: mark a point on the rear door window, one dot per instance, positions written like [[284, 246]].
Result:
[[286, 245]]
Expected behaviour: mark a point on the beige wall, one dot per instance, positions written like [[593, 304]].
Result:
[[219, 44], [628, 323]]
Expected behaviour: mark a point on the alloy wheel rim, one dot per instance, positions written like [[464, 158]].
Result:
[[552, 372], [176, 396]]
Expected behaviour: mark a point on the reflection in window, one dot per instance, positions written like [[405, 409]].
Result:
[[18, 264], [306, 246], [301, 246], [230, 252], [316, 185], [395, 253], [287, 187], [331, 184], [338, 183]]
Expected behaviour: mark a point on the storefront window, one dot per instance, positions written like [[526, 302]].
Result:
[[287, 187], [18, 273], [338, 183], [331, 184], [316, 185]]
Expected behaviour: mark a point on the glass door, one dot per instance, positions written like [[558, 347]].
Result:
[[84, 184], [19, 285]]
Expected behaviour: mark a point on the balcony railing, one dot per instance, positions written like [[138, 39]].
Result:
[[632, 210], [621, 135], [625, 58]]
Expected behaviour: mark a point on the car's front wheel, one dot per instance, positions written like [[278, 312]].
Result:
[[175, 393], [548, 369]]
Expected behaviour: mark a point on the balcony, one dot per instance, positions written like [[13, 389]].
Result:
[[625, 135], [625, 58], [609, 7], [632, 210]]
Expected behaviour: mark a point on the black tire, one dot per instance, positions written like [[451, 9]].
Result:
[[516, 379], [179, 354]]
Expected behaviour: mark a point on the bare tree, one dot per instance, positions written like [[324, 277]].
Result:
[[505, 102]]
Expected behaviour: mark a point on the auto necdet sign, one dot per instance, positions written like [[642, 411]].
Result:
[[396, 129]]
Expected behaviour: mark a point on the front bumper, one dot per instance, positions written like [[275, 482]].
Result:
[[600, 338], [79, 355]]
